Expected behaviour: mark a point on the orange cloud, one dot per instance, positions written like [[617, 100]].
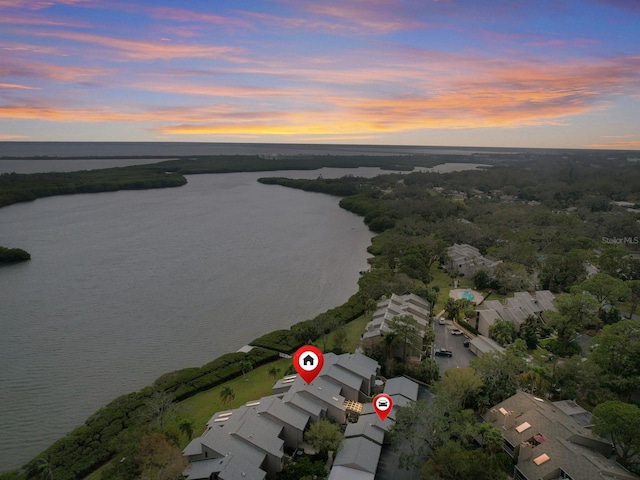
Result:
[[17, 86], [69, 115], [234, 91], [9, 136], [630, 145], [141, 50], [107, 114]]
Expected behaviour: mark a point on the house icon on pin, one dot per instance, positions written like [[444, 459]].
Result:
[[308, 360]]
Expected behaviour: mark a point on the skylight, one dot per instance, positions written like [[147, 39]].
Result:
[[541, 459], [522, 427]]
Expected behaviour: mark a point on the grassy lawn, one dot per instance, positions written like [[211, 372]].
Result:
[[98, 473], [199, 408], [442, 280], [353, 330]]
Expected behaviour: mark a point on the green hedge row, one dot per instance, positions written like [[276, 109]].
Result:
[[288, 341], [469, 327], [345, 313], [280, 340]]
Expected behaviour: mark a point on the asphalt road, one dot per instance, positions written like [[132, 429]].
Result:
[[461, 355]]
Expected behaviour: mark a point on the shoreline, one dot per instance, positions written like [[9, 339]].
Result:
[[270, 356], [145, 385], [345, 305]]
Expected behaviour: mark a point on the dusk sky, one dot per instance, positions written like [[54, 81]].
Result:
[[413, 72]]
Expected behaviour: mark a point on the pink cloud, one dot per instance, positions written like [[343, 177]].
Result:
[[144, 50], [30, 20], [50, 71], [300, 23], [375, 16], [38, 4], [182, 15]]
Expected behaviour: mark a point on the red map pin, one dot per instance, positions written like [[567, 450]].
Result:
[[383, 404], [308, 362]]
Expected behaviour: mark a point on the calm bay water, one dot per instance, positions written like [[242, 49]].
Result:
[[125, 286]]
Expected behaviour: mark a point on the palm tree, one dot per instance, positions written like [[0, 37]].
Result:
[[406, 329], [40, 469], [451, 308], [227, 395], [274, 372], [246, 367], [502, 332], [186, 427], [538, 375], [390, 340]]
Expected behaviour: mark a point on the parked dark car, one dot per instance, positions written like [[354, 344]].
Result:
[[441, 352], [466, 342]]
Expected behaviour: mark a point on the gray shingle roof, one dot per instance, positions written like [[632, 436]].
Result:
[[518, 308], [401, 386], [359, 453], [259, 431], [304, 404], [397, 305], [346, 473], [237, 469], [484, 345], [343, 376], [274, 407], [371, 428], [228, 468]]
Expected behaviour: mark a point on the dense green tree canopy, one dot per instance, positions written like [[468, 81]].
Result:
[[502, 331], [574, 311], [499, 373], [621, 422], [324, 436], [617, 352]]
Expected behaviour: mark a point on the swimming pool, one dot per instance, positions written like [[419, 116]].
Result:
[[468, 295]]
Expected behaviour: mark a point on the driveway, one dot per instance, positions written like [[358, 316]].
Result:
[[461, 354]]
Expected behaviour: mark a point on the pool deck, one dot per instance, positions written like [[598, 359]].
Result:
[[456, 294]]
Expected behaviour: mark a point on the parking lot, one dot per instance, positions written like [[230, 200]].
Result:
[[455, 343]]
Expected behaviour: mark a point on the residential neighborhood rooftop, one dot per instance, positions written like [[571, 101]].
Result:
[[547, 440]]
